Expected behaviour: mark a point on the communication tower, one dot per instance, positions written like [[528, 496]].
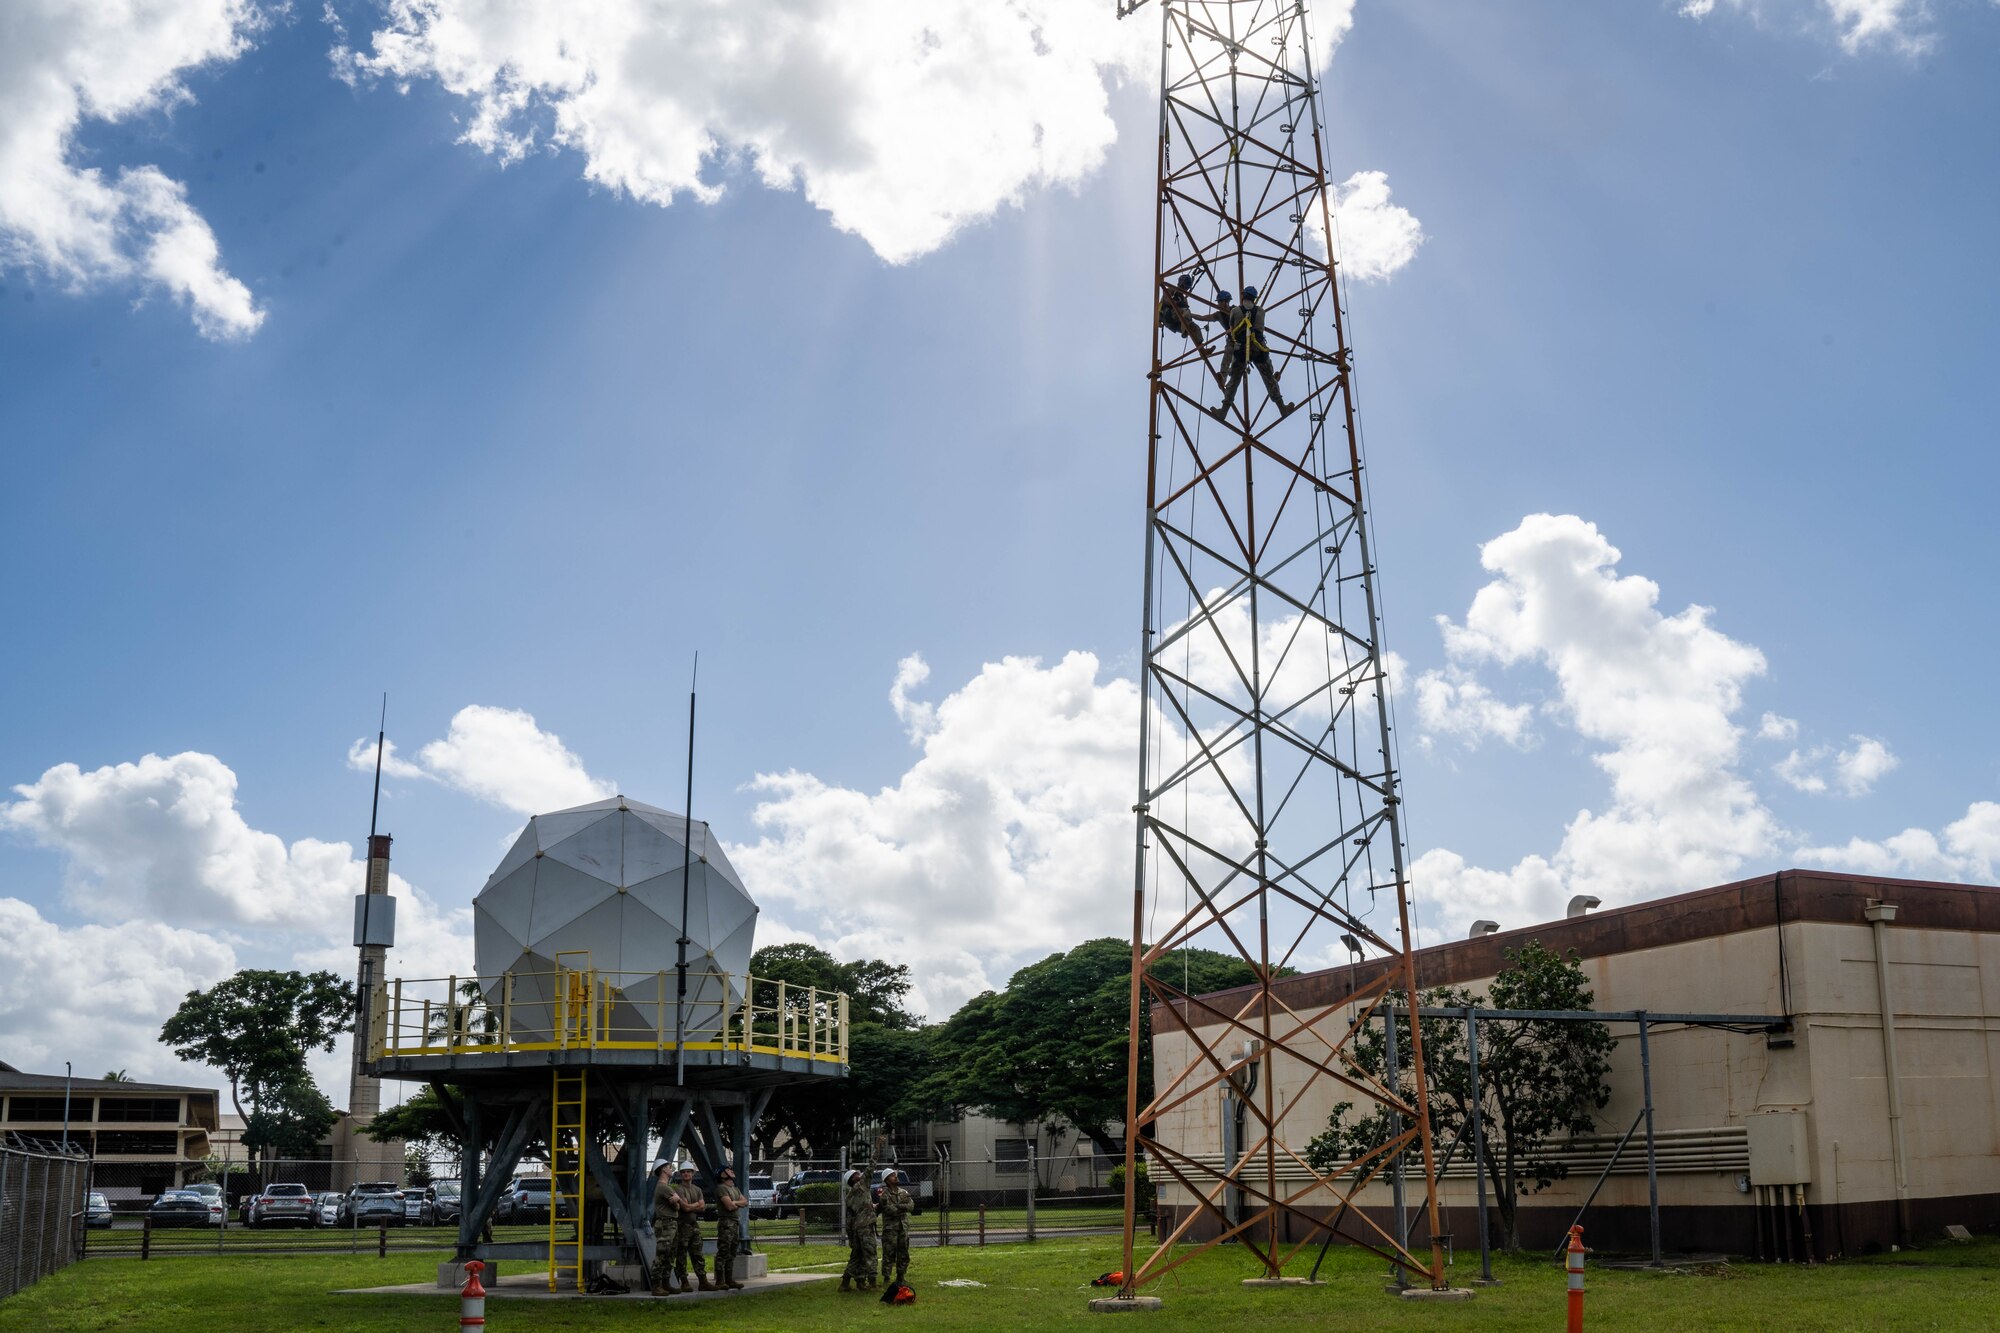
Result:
[[1268, 818]]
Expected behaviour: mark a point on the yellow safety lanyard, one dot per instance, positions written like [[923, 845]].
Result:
[[1247, 329]]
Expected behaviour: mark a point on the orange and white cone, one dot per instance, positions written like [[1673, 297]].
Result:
[[472, 1298], [1573, 1261]]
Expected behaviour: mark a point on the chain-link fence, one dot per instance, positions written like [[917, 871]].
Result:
[[356, 1206], [402, 1205], [957, 1203], [42, 1208]]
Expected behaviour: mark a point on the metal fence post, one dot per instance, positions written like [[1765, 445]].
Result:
[[1032, 1181], [42, 1231], [982, 1222], [1478, 1142], [842, 1193], [1397, 1277], [802, 1224], [1652, 1160]]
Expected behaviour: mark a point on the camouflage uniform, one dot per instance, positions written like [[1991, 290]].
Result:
[[686, 1249], [896, 1206], [729, 1203], [1244, 324], [860, 1235], [666, 1220]]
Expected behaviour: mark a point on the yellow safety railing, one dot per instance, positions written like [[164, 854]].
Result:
[[583, 1008]]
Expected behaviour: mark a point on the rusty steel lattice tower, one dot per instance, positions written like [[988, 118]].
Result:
[[1268, 816]]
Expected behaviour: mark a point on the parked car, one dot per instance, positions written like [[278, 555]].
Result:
[[376, 1202], [419, 1208], [788, 1193], [178, 1208], [218, 1211], [527, 1200], [445, 1201], [331, 1209], [763, 1196], [284, 1205], [96, 1211]]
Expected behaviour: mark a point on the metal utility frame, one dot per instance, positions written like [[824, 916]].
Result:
[[1268, 813]]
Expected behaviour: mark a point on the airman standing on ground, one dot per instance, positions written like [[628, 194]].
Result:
[[666, 1220], [860, 1274], [896, 1206], [686, 1249], [729, 1204]]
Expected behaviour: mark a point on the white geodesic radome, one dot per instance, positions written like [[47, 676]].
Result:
[[605, 879]]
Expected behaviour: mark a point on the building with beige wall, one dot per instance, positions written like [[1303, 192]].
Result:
[[149, 1136], [1798, 944]]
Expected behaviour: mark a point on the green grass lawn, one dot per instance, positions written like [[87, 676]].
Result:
[[1039, 1286]]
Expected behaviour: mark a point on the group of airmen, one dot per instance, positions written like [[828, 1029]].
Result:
[[678, 1205], [677, 1208], [1244, 345], [864, 1251]]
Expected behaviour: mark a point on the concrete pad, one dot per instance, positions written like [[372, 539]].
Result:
[[451, 1276], [1281, 1282], [1448, 1294], [1125, 1304], [535, 1287]]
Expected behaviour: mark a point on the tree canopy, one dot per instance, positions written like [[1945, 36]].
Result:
[[1540, 1081], [1052, 1046], [890, 1054], [256, 1027]]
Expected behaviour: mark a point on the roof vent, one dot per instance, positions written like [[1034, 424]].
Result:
[[1582, 903], [1482, 928]]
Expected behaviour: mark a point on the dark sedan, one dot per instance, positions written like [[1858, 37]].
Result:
[[445, 1200], [178, 1208], [97, 1211]]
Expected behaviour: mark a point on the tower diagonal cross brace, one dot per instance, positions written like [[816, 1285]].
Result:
[[1268, 820]]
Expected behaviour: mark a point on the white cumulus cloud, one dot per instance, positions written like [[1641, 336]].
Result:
[[903, 122], [500, 755], [1657, 693], [1903, 26], [1375, 236], [1009, 838], [178, 890], [66, 62], [96, 995], [1852, 771], [1968, 848]]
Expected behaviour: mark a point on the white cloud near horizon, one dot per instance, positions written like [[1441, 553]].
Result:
[[178, 891], [67, 62], [500, 755]]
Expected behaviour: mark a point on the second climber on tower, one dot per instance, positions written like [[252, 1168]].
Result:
[[1244, 345]]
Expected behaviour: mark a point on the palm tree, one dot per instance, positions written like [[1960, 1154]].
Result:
[[117, 1076]]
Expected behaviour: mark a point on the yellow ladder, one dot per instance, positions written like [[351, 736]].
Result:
[[566, 1138]]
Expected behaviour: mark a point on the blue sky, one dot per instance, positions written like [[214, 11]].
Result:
[[1720, 289]]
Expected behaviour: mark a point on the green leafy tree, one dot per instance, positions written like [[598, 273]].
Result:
[[1052, 1046], [1541, 1081], [257, 1028], [890, 1055]]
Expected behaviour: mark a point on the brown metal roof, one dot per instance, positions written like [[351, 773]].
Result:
[[1749, 904]]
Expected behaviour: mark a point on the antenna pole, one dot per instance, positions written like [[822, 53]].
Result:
[[687, 870]]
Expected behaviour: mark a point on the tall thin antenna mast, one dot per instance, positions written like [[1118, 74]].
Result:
[[381, 734], [687, 869]]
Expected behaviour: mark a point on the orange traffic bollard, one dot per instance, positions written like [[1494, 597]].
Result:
[[472, 1300], [1574, 1262]]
